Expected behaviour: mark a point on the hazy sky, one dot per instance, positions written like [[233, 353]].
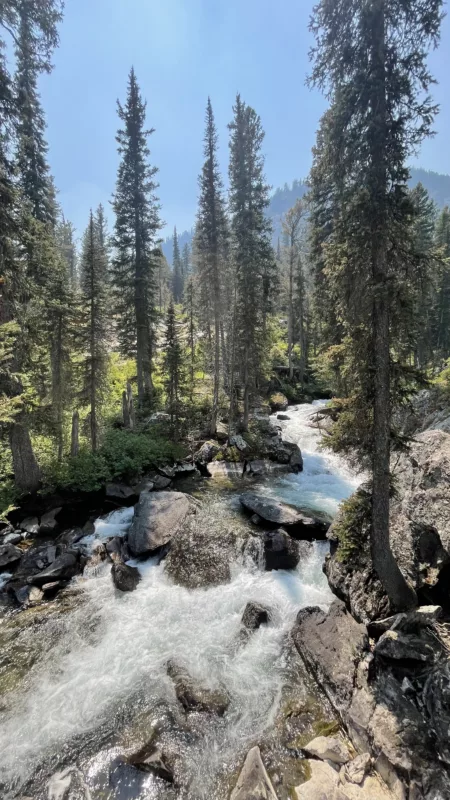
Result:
[[183, 50]]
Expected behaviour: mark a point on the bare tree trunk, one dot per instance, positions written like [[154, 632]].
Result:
[[401, 595], [131, 409], [75, 439], [27, 475], [125, 411], [233, 365], [246, 391]]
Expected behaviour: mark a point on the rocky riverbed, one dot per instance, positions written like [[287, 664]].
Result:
[[187, 646]]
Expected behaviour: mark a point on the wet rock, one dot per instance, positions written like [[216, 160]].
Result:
[[198, 559], [146, 485], [398, 646], [120, 491], [12, 538], [276, 513], [30, 525], [253, 782], [73, 535], [9, 555], [328, 748], [280, 550], [28, 596], [254, 616], [117, 549], [187, 469], [66, 566], [151, 758], [278, 402], [50, 589], [157, 519], [420, 617], [160, 483], [49, 524], [196, 698], [256, 520], [355, 771], [125, 578], [283, 417]]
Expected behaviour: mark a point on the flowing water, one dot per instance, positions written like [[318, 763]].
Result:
[[97, 675]]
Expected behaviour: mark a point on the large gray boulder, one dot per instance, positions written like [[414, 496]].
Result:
[[253, 782], [157, 519], [9, 554], [125, 578], [194, 697], [276, 513], [65, 566]]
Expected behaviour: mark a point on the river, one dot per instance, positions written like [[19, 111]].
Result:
[[92, 676]]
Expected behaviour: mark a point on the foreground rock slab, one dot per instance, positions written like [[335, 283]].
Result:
[[157, 519], [276, 513], [253, 782], [326, 784], [328, 748], [125, 578]]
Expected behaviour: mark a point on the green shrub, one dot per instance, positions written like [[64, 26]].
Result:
[[351, 527], [123, 455]]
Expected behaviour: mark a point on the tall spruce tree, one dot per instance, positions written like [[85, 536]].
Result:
[[94, 329], [251, 247], [177, 270], [136, 225], [371, 59], [173, 368], [186, 262], [291, 227], [211, 242]]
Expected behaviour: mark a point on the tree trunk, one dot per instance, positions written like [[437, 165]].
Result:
[[232, 366], [143, 347], [125, 411], [400, 594], [130, 405], [291, 311], [75, 440], [27, 475]]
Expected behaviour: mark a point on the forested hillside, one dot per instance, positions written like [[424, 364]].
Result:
[[282, 199]]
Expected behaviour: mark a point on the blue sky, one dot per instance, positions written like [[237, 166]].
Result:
[[183, 51]]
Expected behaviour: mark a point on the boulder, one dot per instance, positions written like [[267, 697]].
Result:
[[157, 418], [322, 784], [9, 554], [160, 483], [207, 452], [196, 698], [151, 758], [254, 616], [30, 525], [239, 442], [331, 644], [65, 566], [12, 538], [120, 491], [280, 550], [276, 513], [253, 782], [222, 432], [199, 558], [278, 402], [328, 748], [355, 771], [283, 417], [398, 646], [49, 524], [436, 698], [125, 578], [157, 519]]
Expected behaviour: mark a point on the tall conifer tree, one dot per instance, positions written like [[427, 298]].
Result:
[[177, 270], [371, 59], [137, 223]]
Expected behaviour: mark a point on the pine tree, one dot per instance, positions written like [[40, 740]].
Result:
[[189, 310], [173, 368], [422, 273], [65, 237], [177, 270], [211, 242], [371, 60], [137, 222], [186, 262], [251, 247], [94, 330], [31, 158], [291, 227]]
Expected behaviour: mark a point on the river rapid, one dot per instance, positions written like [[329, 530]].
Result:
[[90, 677]]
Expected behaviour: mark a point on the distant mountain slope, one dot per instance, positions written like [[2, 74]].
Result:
[[436, 184], [284, 198]]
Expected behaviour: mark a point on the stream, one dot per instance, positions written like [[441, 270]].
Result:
[[89, 676]]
